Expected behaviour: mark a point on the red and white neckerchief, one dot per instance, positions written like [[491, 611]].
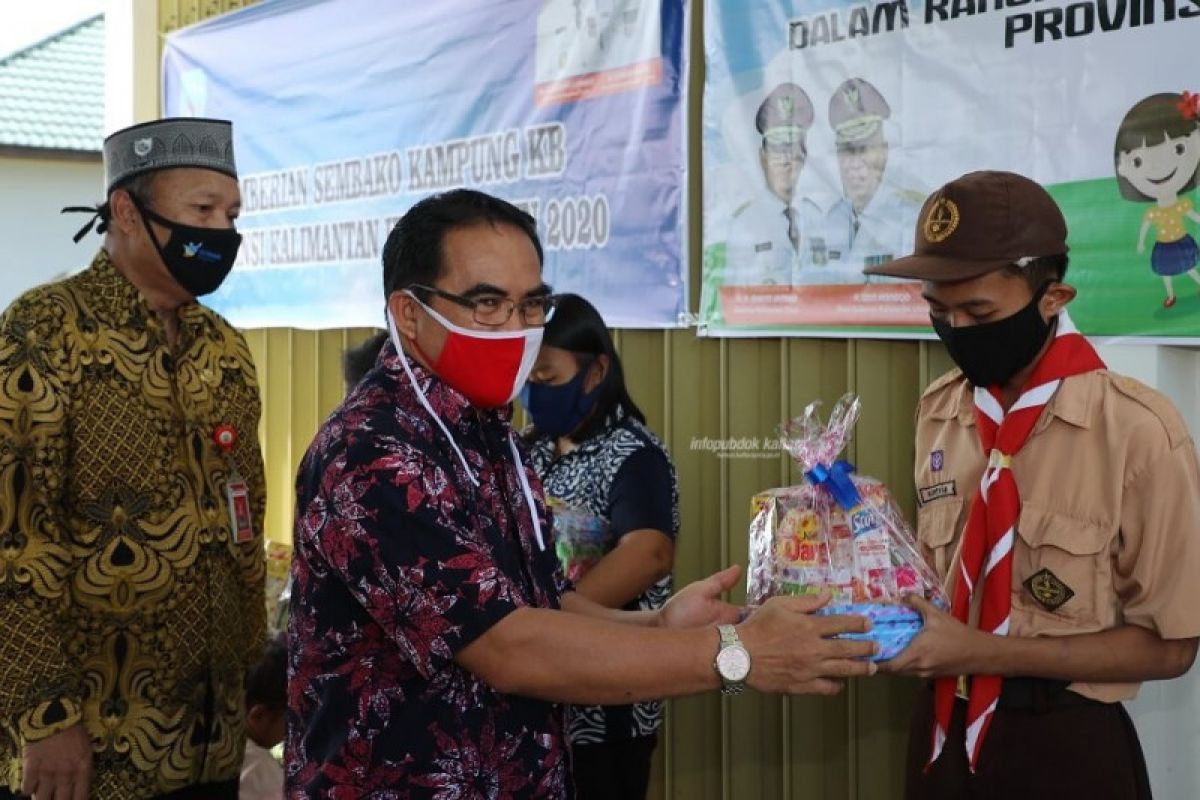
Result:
[[988, 538]]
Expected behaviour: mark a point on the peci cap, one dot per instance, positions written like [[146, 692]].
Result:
[[979, 223], [784, 116], [856, 111], [166, 144]]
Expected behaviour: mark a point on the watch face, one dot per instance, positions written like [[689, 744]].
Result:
[[733, 663]]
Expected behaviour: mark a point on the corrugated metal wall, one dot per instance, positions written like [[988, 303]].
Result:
[[849, 747]]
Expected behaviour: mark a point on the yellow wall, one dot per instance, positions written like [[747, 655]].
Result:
[[849, 747]]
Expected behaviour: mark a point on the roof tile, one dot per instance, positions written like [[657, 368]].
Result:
[[52, 92]]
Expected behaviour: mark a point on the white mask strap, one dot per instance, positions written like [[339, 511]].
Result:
[[424, 400], [527, 490]]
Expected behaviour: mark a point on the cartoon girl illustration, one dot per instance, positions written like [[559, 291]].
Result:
[[1157, 159]]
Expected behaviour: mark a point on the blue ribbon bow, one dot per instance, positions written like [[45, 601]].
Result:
[[836, 480]]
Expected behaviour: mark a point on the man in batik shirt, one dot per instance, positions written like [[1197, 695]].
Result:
[[429, 643], [131, 495]]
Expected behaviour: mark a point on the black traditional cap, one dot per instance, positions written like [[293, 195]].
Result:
[[192, 142], [166, 144]]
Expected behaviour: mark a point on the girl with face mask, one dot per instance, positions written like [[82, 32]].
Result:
[[599, 462]]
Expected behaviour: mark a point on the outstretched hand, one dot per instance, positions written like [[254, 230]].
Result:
[[794, 652], [699, 603]]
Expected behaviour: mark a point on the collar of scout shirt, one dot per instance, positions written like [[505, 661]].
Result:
[[1075, 402]]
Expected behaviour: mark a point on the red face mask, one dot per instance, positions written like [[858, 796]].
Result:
[[489, 368]]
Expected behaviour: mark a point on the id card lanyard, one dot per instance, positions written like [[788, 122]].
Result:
[[237, 493]]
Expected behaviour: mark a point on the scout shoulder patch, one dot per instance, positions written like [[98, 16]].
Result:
[[1048, 589], [938, 490]]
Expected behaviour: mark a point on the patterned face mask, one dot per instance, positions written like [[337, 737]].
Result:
[[199, 259]]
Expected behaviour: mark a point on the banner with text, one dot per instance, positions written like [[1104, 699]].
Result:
[[827, 123], [346, 112]]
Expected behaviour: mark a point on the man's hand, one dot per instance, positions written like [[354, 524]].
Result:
[[60, 767], [791, 651], [699, 603], [944, 647]]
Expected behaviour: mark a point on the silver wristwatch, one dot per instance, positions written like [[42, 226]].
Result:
[[733, 661]]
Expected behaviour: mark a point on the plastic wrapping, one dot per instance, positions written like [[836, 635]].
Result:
[[840, 532], [278, 585], [580, 539]]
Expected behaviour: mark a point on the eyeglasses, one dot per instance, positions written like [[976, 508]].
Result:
[[495, 310]]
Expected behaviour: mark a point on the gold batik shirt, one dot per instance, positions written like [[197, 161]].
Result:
[[125, 600]]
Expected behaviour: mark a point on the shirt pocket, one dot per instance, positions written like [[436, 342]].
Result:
[[1060, 568], [937, 529]]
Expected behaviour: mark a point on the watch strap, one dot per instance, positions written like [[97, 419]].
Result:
[[729, 638], [728, 635]]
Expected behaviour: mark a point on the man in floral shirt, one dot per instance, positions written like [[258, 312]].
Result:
[[429, 643]]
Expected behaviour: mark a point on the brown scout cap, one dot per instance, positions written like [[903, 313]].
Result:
[[856, 111], [977, 224], [785, 115]]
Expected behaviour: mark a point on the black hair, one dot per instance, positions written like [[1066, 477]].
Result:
[[266, 682], [578, 327], [413, 251], [358, 360], [1041, 270], [140, 187]]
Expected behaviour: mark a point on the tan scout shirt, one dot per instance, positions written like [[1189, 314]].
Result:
[[1109, 532]]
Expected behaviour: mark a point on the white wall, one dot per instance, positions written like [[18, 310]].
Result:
[[36, 237], [1167, 713], [131, 63]]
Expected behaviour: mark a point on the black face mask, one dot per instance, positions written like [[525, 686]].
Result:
[[198, 259], [992, 353]]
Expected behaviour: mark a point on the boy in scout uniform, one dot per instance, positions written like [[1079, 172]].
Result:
[[768, 235], [873, 220], [1060, 501]]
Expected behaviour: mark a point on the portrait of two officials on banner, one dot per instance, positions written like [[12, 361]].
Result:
[[784, 234]]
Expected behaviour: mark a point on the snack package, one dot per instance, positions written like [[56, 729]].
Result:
[[839, 532], [580, 538], [278, 584]]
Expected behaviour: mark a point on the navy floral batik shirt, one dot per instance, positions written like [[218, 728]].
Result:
[[404, 555]]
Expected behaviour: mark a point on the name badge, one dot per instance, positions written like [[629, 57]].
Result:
[[238, 496], [237, 493], [927, 494]]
